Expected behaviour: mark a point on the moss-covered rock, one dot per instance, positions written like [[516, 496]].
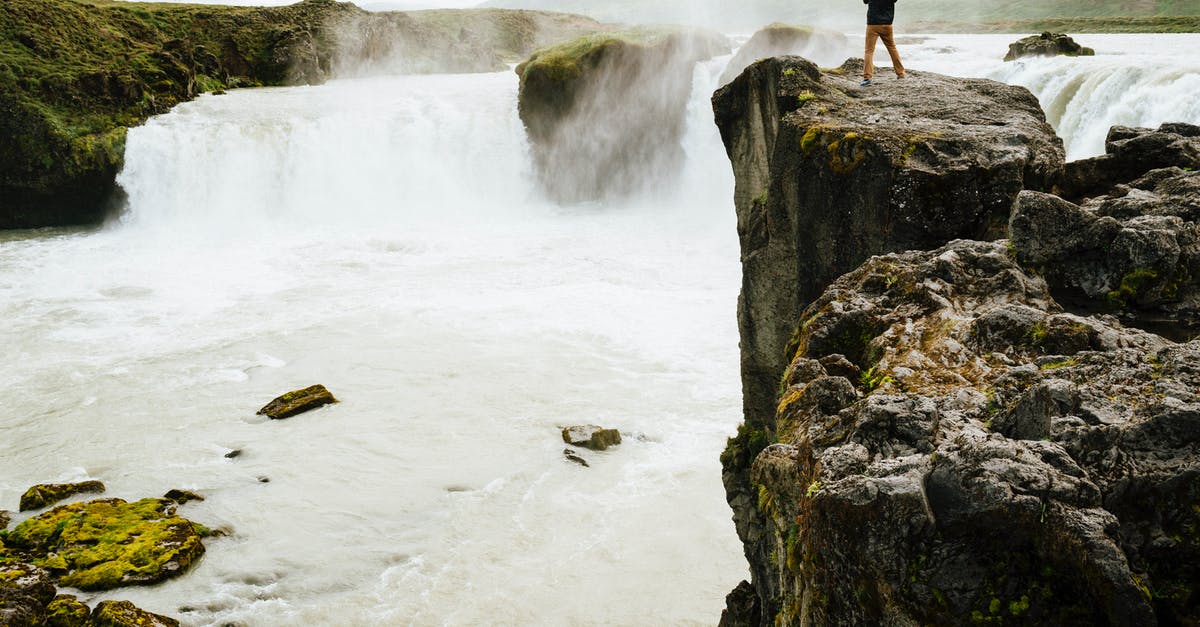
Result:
[[126, 614], [24, 592], [45, 494], [605, 113], [107, 543], [74, 74], [67, 611], [591, 436], [1047, 45], [297, 402]]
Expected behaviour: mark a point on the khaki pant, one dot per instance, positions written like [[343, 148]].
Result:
[[884, 33]]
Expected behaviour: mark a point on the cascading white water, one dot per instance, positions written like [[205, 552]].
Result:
[[383, 237], [1134, 80]]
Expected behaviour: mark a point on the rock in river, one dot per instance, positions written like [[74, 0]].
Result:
[[297, 402], [45, 494], [591, 436], [1046, 45]]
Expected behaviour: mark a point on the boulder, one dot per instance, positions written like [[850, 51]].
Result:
[[46, 494], [605, 114], [126, 614], [4, 518], [999, 459], [67, 611], [182, 496], [297, 402], [591, 436], [1130, 153], [1046, 45], [24, 592], [108, 543], [828, 174], [819, 45]]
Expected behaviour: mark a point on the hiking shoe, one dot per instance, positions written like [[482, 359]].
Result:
[[901, 76], [865, 83]]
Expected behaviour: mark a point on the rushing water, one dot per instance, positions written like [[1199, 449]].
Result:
[[382, 236]]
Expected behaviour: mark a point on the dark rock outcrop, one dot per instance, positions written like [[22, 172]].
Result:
[[1129, 154], [591, 436], [821, 46], [74, 75], [297, 402], [182, 496], [24, 593], [1046, 45], [828, 174], [605, 113], [46, 494], [997, 459], [106, 543]]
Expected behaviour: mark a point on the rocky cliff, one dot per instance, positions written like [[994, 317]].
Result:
[[605, 113], [74, 74], [930, 437]]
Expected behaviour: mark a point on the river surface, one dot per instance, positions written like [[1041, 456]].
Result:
[[383, 237]]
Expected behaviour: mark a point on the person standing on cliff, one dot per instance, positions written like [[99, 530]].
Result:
[[880, 14]]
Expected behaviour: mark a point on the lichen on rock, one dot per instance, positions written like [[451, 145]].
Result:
[[107, 543]]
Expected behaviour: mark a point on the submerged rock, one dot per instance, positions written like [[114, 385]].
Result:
[[997, 459], [297, 402], [817, 44], [1046, 45], [591, 436], [108, 543], [45, 494], [828, 174], [126, 614], [605, 113], [572, 456]]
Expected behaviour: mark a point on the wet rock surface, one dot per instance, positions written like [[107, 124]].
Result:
[[998, 458], [126, 614], [591, 437], [1046, 45], [605, 113], [182, 496], [45, 494], [297, 402], [1129, 153], [106, 543], [24, 593]]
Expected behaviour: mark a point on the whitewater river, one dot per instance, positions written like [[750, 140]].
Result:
[[382, 237]]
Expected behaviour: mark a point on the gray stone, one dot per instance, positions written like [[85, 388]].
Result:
[[591, 436]]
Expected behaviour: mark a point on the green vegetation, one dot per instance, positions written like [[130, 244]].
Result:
[[1073, 25], [1131, 285], [804, 96], [108, 543]]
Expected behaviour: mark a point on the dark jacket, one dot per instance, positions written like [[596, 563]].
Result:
[[880, 12]]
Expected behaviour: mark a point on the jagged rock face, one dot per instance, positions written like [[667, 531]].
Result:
[[816, 44], [1046, 45], [994, 460], [828, 174], [1129, 154], [605, 114]]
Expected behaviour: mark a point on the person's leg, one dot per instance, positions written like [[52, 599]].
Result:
[[869, 52], [889, 42]]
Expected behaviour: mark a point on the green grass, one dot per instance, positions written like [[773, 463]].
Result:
[[1071, 25]]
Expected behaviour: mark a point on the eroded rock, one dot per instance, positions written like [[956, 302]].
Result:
[[591, 436], [297, 402], [45, 494], [605, 113], [108, 543], [1046, 45], [999, 459]]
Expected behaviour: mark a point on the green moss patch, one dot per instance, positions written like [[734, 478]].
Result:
[[108, 543]]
